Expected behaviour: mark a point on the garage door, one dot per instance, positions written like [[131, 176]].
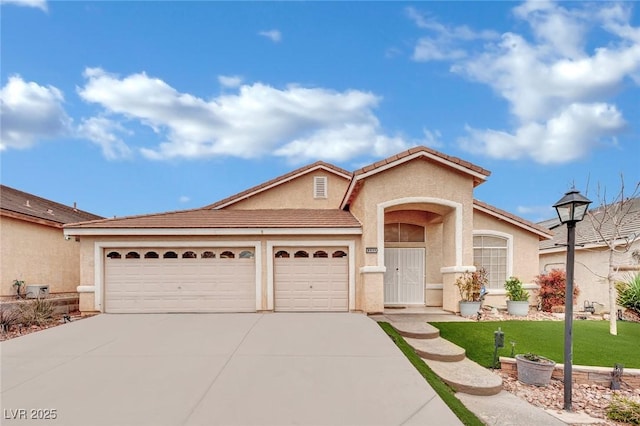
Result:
[[311, 279], [180, 280]]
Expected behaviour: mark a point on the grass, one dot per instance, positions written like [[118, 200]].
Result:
[[441, 388], [592, 343]]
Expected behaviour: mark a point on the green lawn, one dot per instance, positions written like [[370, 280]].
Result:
[[592, 343]]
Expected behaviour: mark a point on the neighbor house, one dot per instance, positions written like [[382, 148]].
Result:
[[592, 253], [395, 233], [33, 248]]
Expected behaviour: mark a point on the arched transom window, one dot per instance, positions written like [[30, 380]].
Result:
[[403, 233]]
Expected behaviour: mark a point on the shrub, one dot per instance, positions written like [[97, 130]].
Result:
[[629, 293], [624, 410], [8, 317], [36, 312], [515, 291], [553, 289], [471, 285]]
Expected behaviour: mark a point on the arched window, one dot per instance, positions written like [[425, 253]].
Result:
[[151, 255], [227, 255], [189, 255], [491, 252], [403, 233], [339, 253], [170, 255], [133, 255], [301, 253], [283, 254], [246, 254], [208, 255], [320, 253], [114, 255]]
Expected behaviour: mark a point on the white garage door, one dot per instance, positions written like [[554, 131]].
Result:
[[311, 279], [180, 280]]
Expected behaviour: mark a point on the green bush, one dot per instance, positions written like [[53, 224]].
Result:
[[36, 312], [624, 410], [515, 291], [629, 293]]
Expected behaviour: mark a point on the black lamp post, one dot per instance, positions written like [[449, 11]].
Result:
[[571, 209]]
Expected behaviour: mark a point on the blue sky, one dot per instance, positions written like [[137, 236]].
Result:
[[140, 107]]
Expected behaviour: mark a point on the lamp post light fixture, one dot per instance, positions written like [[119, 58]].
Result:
[[571, 209]]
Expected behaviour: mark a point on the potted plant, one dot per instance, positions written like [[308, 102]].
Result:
[[534, 369], [517, 297], [472, 288], [18, 285]]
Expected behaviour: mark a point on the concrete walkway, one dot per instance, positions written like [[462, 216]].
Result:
[[211, 369]]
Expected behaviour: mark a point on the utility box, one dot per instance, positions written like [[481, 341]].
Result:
[[37, 291]]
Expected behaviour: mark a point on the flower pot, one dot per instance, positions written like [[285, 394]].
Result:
[[518, 308], [534, 372], [468, 309]]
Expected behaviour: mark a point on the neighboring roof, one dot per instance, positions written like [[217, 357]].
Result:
[[25, 206], [211, 218], [318, 165], [586, 233], [478, 173], [541, 231]]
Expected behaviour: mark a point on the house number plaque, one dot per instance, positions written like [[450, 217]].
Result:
[[371, 249]]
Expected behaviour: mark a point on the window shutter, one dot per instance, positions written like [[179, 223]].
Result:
[[320, 187]]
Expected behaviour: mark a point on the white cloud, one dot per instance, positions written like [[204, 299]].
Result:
[[433, 50], [273, 35], [295, 122], [40, 4], [184, 199], [536, 213], [102, 132], [559, 91], [230, 80], [30, 112]]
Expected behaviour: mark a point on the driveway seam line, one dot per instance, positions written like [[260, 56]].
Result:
[[418, 410]]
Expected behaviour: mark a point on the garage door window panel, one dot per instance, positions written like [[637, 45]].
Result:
[[189, 255], [133, 255], [208, 255], [114, 255], [151, 255], [301, 254], [227, 255], [170, 255]]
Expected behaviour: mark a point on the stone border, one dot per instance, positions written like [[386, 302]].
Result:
[[582, 374]]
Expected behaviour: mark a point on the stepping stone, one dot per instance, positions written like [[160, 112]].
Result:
[[437, 349], [467, 376], [416, 330]]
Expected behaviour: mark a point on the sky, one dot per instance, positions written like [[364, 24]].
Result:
[[141, 107]]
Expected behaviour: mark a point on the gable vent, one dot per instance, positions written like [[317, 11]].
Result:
[[320, 187]]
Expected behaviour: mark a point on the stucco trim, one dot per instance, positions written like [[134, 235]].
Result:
[[509, 239], [373, 269], [86, 289], [433, 286], [311, 243], [414, 200], [211, 231], [99, 246], [457, 269]]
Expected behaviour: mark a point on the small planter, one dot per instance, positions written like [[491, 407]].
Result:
[[518, 308], [534, 369], [468, 309]]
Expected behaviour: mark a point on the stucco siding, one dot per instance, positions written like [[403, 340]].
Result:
[[37, 254], [297, 194]]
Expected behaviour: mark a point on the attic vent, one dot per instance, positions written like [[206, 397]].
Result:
[[320, 187], [50, 211], [27, 203]]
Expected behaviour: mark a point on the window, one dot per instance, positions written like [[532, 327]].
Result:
[[403, 233], [301, 253], [283, 254], [208, 255], [246, 254], [320, 253], [189, 255], [151, 255], [339, 253], [132, 255], [170, 255], [227, 255], [319, 187], [491, 253], [114, 255]]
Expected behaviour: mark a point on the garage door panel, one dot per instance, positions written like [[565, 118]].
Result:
[[180, 284]]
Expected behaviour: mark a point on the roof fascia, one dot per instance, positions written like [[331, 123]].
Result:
[[513, 222], [32, 219], [211, 231]]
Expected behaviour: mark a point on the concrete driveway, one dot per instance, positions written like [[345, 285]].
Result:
[[215, 369]]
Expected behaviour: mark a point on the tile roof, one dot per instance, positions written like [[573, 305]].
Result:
[[542, 231], [211, 218], [277, 181], [31, 207], [585, 231]]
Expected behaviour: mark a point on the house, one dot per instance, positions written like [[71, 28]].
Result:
[[320, 238], [33, 246], [592, 254]]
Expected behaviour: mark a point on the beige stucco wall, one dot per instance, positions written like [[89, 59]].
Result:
[[298, 194], [525, 264], [37, 254], [591, 265]]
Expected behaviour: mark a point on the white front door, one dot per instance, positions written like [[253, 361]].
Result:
[[404, 278]]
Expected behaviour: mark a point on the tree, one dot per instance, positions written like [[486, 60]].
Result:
[[610, 222]]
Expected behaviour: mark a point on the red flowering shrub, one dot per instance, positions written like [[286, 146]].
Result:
[[553, 289]]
